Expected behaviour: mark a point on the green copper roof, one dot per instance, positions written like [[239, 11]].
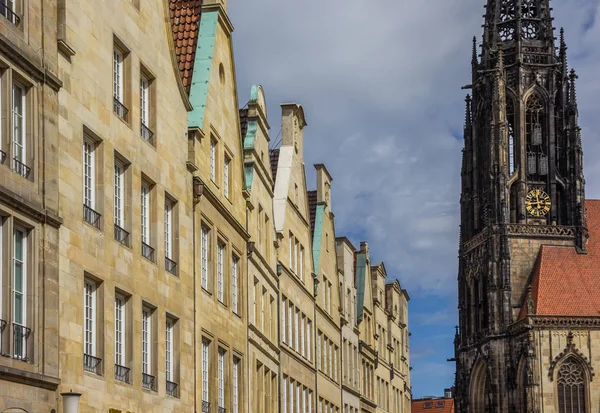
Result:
[[202, 65]]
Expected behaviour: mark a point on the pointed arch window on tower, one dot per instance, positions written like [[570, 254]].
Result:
[[571, 387], [510, 117], [535, 127]]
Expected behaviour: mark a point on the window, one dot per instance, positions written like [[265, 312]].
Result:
[[147, 250], [263, 304], [308, 340], [121, 370], [91, 363], [8, 10], [234, 284], [220, 286], [296, 248], [290, 327], [213, 160], [291, 244], [170, 263], [301, 264], [19, 135], [296, 322], [302, 326], [145, 131], [283, 318], [170, 348], [235, 403], [319, 351], [571, 387], [118, 84], [335, 363], [284, 395], [19, 294], [226, 177], [204, 256], [89, 183], [119, 200], [221, 379], [205, 347], [148, 379]]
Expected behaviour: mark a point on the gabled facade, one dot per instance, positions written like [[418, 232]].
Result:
[[297, 307], [126, 246], [263, 286], [216, 161], [381, 329], [366, 321], [30, 215], [351, 373], [327, 300]]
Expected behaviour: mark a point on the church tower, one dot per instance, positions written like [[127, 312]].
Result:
[[522, 187]]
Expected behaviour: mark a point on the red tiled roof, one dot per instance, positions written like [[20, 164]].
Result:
[[274, 155], [185, 22], [312, 210], [566, 283], [433, 406]]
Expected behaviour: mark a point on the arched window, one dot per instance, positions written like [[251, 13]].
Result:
[[477, 389], [510, 118], [537, 147], [570, 386]]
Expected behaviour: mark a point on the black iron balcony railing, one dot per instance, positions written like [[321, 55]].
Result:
[[170, 266], [172, 389], [205, 407], [120, 109], [92, 364], [2, 156], [146, 133], [2, 327], [222, 410], [147, 251], [20, 168], [9, 14], [121, 235], [148, 382], [91, 217], [20, 336], [122, 373]]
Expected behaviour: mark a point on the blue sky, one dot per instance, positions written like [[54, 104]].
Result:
[[380, 85]]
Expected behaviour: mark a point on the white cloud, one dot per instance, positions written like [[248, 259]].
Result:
[[380, 84]]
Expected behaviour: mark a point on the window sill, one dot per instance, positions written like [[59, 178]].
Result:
[[16, 375]]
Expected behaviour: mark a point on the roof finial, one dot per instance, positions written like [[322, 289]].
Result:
[[572, 89], [474, 60], [562, 53], [500, 62], [468, 111]]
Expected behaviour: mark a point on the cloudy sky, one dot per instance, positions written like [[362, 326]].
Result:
[[380, 85]]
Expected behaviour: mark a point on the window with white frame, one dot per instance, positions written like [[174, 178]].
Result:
[[213, 160], [119, 195], [291, 252], [283, 318], [220, 276], [19, 135], [145, 211], [296, 248], [146, 345], [302, 324], [263, 304], [205, 235], [169, 348], [290, 325], [297, 397], [284, 395], [205, 363], [19, 294], [89, 182], [221, 378], [145, 107], [234, 284], [301, 264], [235, 394], [310, 399], [118, 75], [120, 338], [308, 339], [90, 292], [296, 322], [226, 164]]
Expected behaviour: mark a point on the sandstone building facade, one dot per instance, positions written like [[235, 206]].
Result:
[[528, 291], [158, 253]]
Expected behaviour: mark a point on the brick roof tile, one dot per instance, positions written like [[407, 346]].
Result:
[[566, 283], [185, 22], [431, 406]]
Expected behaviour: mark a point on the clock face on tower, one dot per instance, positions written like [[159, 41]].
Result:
[[537, 203]]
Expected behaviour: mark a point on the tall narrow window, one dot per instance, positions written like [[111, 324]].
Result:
[[221, 378], [319, 351], [220, 277], [213, 160], [147, 377], [296, 338], [510, 117], [19, 294], [147, 250], [302, 326], [169, 350], [234, 284], [308, 339], [235, 393], [571, 388], [204, 257], [119, 200], [263, 305], [284, 395], [121, 371], [89, 183], [19, 138], [291, 244], [145, 131], [283, 318], [205, 345], [301, 263], [118, 75], [90, 362], [296, 248], [170, 263], [226, 177]]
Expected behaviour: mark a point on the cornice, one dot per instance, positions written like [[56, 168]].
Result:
[[31, 210]]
